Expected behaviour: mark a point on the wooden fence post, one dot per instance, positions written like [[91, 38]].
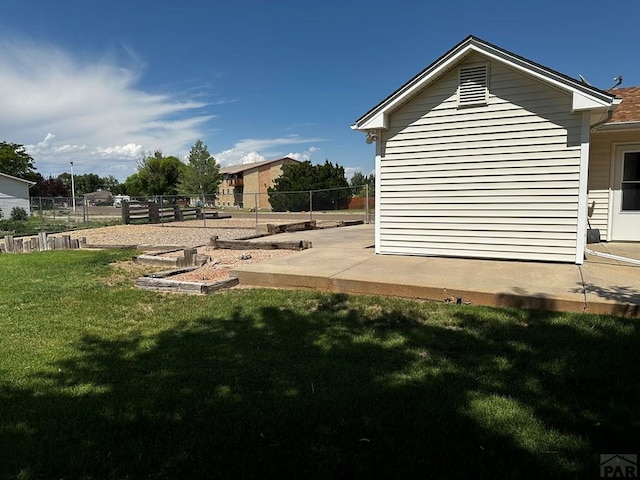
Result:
[[177, 212], [8, 243], [42, 241], [154, 214], [125, 213]]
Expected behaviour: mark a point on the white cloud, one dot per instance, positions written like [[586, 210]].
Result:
[[258, 144], [130, 150], [252, 150], [91, 112], [69, 148], [350, 171], [233, 156]]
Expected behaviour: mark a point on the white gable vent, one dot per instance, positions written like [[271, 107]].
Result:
[[473, 88]]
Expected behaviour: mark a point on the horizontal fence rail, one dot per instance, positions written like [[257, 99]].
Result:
[[61, 213]]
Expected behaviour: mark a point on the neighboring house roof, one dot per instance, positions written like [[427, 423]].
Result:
[[99, 194], [250, 166], [629, 109], [29, 182], [585, 97]]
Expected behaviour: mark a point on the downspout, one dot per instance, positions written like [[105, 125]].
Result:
[[610, 256], [597, 125]]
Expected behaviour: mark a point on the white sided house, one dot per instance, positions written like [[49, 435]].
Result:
[[486, 154], [14, 192]]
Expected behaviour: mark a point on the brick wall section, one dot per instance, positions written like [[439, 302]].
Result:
[[251, 183], [358, 203], [264, 182], [257, 178]]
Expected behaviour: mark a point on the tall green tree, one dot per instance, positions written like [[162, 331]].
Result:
[[112, 184], [133, 186], [49, 187], [359, 179], [327, 181], [201, 174], [157, 175], [88, 183], [15, 161]]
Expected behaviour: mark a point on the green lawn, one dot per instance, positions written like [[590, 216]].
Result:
[[100, 380]]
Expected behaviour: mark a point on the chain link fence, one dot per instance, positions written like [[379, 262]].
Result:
[[60, 213]]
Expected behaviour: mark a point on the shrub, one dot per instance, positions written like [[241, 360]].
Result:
[[19, 213]]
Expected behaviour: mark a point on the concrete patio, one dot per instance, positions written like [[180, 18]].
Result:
[[343, 260]]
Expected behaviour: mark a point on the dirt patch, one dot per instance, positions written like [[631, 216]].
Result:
[[125, 272], [223, 261]]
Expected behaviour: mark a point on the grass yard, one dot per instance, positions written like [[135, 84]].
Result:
[[35, 224], [99, 380]]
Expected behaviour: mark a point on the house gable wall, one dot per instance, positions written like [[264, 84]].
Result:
[[13, 193], [493, 181]]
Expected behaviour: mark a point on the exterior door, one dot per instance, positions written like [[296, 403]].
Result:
[[625, 224]]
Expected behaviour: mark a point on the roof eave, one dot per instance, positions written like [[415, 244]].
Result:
[[31, 183], [585, 97], [619, 126], [582, 102], [376, 117], [234, 169], [377, 122]]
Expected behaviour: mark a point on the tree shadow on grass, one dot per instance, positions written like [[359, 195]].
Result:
[[337, 391]]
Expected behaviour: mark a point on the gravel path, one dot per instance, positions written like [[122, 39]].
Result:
[[187, 234]]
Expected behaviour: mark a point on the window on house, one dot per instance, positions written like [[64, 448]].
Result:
[[473, 87]]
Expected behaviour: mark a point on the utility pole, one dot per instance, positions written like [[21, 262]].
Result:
[[73, 189]]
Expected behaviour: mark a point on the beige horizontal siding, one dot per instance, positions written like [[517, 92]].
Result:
[[495, 181], [600, 157], [485, 156], [486, 160], [478, 241], [453, 235], [496, 196], [513, 252]]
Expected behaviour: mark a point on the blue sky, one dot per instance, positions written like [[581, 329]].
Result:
[[101, 83]]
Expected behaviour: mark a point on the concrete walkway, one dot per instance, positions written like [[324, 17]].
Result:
[[343, 260]]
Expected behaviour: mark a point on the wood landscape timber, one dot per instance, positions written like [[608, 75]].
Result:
[[249, 245]]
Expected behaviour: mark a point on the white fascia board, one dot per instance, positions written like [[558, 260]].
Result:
[[581, 99], [407, 91], [378, 122], [582, 102], [11, 177]]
